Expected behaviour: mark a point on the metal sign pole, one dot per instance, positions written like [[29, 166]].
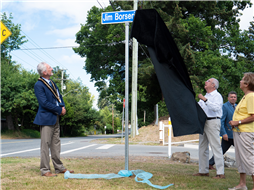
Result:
[[126, 95], [123, 17]]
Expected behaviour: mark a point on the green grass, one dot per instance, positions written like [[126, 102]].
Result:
[[24, 173], [23, 134]]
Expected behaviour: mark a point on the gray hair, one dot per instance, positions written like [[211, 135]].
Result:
[[41, 67], [216, 83]]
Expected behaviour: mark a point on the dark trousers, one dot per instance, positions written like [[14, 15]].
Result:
[[225, 145]]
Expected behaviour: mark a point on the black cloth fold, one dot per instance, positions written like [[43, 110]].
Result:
[[186, 115]]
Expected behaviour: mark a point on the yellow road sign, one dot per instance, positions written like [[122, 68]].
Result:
[[5, 32]]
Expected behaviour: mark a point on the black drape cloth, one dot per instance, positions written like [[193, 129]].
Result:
[[186, 115]]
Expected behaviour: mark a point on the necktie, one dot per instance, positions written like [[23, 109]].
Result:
[[53, 90], [234, 107], [50, 83]]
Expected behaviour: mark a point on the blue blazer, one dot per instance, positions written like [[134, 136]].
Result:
[[48, 110], [227, 116]]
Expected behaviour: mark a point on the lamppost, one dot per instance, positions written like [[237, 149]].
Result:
[[70, 91]]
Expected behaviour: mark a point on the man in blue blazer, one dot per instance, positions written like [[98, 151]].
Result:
[[226, 130], [51, 106]]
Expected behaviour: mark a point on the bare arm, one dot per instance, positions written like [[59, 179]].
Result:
[[244, 121]]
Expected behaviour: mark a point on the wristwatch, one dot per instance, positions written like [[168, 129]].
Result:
[[206, 100], [239, 122]]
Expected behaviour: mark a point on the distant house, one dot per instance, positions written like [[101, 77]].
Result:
[[2, 123]]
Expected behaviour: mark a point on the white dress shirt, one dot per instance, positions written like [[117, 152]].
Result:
[[213, 106]]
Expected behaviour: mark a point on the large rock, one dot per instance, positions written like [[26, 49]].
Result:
[[229, 162], [183, 157]]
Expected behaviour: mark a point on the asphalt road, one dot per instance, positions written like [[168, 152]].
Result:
[[83, 147]]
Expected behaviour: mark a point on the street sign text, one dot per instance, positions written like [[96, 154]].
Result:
[[5, 32], [117, 17]]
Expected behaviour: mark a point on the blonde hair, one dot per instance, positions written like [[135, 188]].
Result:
[[248, 78]]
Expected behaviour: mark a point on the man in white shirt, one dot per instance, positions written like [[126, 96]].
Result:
[[212, 104]]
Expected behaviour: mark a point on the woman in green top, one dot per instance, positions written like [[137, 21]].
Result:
[[243, 127]]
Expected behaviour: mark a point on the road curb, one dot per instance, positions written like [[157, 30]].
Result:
[[195, 146]]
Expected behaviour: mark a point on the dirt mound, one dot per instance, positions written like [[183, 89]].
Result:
[[150, 134]]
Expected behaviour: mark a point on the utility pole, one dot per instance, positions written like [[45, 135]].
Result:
[[112, 118], [144, 116], [134, 81], [62, 79]]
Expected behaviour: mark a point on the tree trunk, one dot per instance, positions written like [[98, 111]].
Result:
[[16, 121], [61, 131], [22, 122], [9, 122]]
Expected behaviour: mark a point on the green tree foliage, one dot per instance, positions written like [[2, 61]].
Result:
[[199, 28], [105, 113], [25, 101], [15, 40], [10, 72], [18, 101], [80, 115], [106, 119]]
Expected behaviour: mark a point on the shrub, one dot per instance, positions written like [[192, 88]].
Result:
[[109, 129], [31, 133], [163, 110]]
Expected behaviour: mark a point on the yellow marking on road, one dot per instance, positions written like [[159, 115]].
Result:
[[15, 142]]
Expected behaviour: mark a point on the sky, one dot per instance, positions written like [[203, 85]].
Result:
[[54, 23]]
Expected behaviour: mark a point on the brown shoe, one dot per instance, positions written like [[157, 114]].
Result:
[[219, 177], [200, 174], [211, 167], [49, 174], [62, 172]]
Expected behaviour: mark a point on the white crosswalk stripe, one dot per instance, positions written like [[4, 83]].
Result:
[[77, 149], [107, 146], [28, 150]]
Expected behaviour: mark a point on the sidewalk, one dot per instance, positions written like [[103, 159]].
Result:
[[195, 146]]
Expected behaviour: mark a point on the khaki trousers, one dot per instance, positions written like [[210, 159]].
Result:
[[50, 139], [211, 135], [244, 152]]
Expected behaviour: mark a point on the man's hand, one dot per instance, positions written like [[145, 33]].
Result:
[[63, 111], [200, 96], [225, 137], [233, 123]]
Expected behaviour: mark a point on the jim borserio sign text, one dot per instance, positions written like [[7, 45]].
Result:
[[117, 17]]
